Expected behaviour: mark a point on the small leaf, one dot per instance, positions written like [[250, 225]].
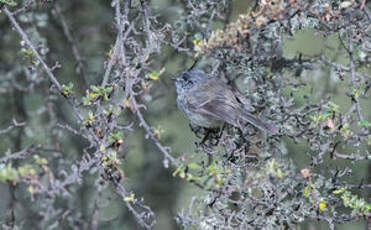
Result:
[[194, 166], [94, 88], [108, 89], [102, 148], [153, 75], [130, 198], [9, 2], [307, 190], [339, 191], [30, 189], [364, 123], [177, 170], [322, 205], [93, 95], [67, 89]]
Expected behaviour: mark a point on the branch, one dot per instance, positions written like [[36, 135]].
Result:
[[152, 136], [47, 69], [145, 216], [119, 44], [352, 72], [28, 42], [11, 127], [26, 152]]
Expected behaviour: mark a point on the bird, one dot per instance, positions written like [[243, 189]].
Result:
[[209, 102]]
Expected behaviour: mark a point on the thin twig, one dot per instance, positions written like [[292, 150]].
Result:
[[28, 42], [47, 69], [11, 127], [352, 72]]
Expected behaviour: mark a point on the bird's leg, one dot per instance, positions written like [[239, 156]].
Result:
[[216, 135], [245, 144], [196, 130], [208, 131], [211, 136], [221, 131]]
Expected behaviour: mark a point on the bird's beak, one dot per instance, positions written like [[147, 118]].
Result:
[[174, 78]]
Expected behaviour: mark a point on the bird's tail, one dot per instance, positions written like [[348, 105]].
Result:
[[257, 122]]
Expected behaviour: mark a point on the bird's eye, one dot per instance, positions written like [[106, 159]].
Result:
[[185, 77]]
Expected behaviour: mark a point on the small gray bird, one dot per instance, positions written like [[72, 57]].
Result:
[[209, 102]]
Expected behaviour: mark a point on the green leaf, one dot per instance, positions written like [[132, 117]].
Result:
[[364, 123], [307, 190], [94, 88], [9, 2], [67, 89], [108, 89], [177, 170], [194, 166]]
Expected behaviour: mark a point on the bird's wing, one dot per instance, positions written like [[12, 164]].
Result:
[[257, 122], [217, 106], [246, 104]]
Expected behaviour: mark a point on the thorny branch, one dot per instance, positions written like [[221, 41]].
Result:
[[87, 162]]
